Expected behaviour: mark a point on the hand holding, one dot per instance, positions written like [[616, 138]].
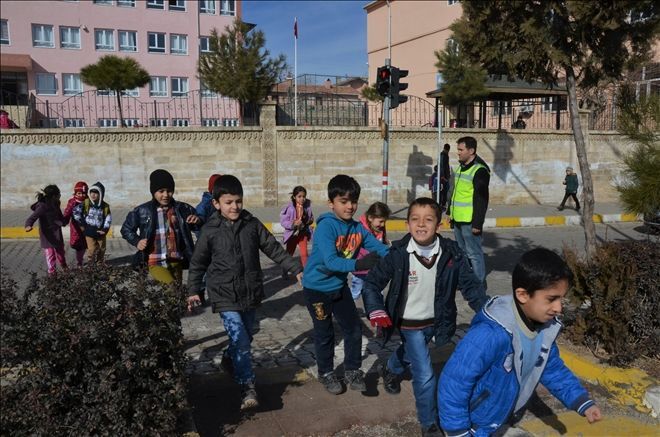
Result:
[[367, 262], [192, 219], [142, 244], [379, 318], [28, 228], [299, 277], [593, 414], [193, 301]]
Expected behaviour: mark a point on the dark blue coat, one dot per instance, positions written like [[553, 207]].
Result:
[[453, 271]]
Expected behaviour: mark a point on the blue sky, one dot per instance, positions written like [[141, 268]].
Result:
[[332, 35]]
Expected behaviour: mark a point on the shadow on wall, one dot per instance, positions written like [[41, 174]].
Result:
[[420, 167], [502, 156]]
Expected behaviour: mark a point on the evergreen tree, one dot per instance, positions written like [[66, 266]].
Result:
[[371, 93], [115, 74], [463, 80], [238, 66], [585, 44]]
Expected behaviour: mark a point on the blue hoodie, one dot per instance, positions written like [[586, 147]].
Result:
[[335, 246]]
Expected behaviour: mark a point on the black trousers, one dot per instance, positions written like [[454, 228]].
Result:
[[575, 199]]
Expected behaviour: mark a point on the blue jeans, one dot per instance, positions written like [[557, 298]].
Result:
[[357, 282], [471, 245], [322, 307], [414, 352], [238, 325]]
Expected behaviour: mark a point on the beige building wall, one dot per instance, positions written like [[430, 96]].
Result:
[[419, 28]]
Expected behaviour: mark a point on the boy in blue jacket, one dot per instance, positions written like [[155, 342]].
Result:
[[337, 242], [423, 270], [508, 350]]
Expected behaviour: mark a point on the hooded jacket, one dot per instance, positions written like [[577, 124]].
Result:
[[453, 271], [380, 236], [288, 216], [94, 216], [335, 246], [51, 221], [479, 388], [228, 252]]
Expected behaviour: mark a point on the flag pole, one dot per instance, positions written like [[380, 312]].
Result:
[[295, 70]]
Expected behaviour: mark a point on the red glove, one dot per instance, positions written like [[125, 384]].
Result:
[[380, 318]]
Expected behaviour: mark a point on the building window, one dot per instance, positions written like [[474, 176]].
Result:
[[105, 93], [207, 7], [180, 122], [69, 37], [177, 5], [179, 86], [103, 2], [550, 104], [132, 122], [156, 42], [134, 92], [210, 122], [74, 122], [227, 7], [206, 92], [158, 86], [104, 39], [453, 2], [46, 84], [158, 122], [4, 32], [71, 84], [506, 108], [42, 35], [205, 44], [126, 3], [178, 44], [127, 41], [230, 122], [155, 4], [48, 122], [108, 122]]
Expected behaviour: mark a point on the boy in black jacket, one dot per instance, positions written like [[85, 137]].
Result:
[[228, 252], [424, 270]]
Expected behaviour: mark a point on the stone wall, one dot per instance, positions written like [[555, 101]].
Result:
[[527, 165]]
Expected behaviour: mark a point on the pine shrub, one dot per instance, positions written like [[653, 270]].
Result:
[[91, 352], [616, 300]]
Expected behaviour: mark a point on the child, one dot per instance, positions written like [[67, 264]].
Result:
[[47, 210], [94, 218], [160, 229], [374, 221], [423, 270], [296, 218], [228, 252], [77, 238], [571, 182], [205, 207], [337, 241], [508, 350]]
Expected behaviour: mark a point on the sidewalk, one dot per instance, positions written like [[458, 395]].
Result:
[[498, 216]]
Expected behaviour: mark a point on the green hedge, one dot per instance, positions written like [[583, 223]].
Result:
[[616, 300], [93, 352]]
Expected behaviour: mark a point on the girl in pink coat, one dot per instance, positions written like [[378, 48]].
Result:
[[296, 218], [77, 240]]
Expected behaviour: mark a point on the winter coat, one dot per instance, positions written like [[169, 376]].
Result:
[[453, 271], [51, 221], [142, 221], [94, 216], [336, 244], [288, 216], [480, 384], [571, 183], [77, 238], [228, 252], [205, 206], [380, 236]]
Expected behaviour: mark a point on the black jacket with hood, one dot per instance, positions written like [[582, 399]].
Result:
[[228, 252]]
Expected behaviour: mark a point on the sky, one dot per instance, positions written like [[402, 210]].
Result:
[[332, 35]]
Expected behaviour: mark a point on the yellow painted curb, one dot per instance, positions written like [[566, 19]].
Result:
[[15, 232], [396, 226], [598, 218], [572, 424], [554, 220], [629, 217], [269, 226], [626, 386], [507, 222]]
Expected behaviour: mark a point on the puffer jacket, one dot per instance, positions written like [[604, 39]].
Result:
[[141, 224], [480, 388], [228, 252], [453, 271]]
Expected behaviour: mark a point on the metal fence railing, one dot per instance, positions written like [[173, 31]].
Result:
[[101, 109]]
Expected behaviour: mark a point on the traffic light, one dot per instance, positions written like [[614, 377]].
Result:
[[396, 87], [383, 81]]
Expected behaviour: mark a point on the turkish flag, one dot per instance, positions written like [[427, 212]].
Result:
[[295, 28]]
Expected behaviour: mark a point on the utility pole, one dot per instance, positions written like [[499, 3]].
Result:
[[386, 136]]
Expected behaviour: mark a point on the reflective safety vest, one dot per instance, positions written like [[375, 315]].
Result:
[[461, 199]]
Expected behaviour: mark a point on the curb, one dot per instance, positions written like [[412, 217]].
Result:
[[626, 386], [393, 225]]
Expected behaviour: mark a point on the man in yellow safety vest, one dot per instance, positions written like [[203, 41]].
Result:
[[469, 202]]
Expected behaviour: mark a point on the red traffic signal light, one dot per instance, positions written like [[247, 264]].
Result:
[[383, 80]]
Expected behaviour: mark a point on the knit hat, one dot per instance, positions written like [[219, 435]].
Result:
[[80, 186], [569, 168], [99, 188], [212, 180], [159, 179]]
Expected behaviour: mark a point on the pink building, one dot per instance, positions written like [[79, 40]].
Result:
[[44, 44]]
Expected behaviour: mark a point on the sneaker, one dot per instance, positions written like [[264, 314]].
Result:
[[331, 383], [248, 396], [560, 208], [227, 364], [355, 380], [432, 431], [391, 381]]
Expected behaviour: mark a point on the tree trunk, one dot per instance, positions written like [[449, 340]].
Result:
[[121, 115], [581, 151]]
